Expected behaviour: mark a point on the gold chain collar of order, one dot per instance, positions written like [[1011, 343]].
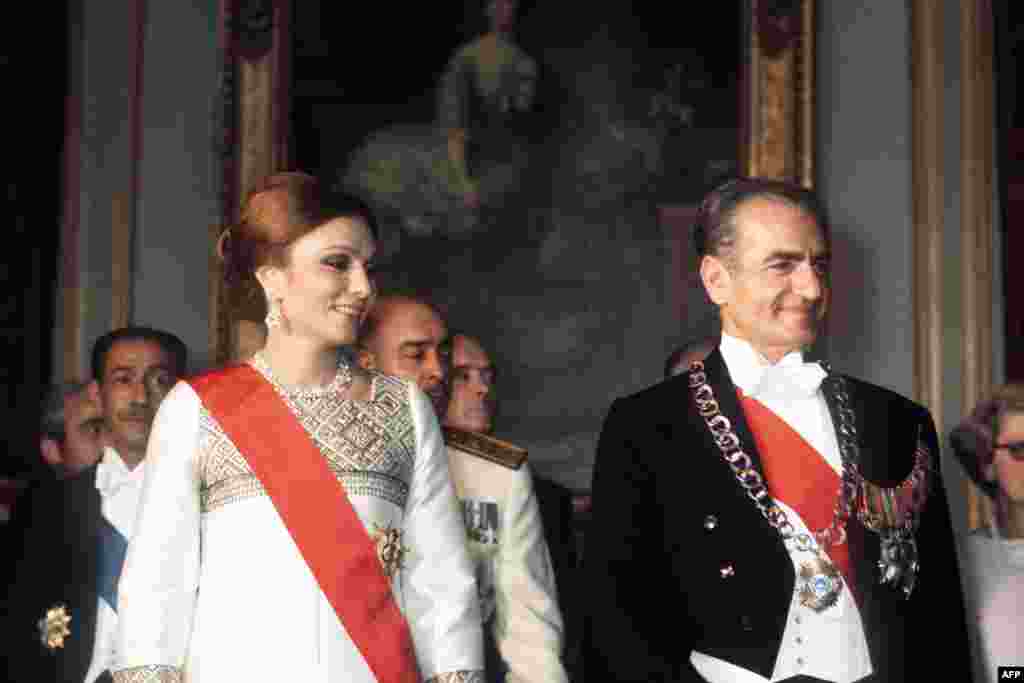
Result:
[[892, 513]]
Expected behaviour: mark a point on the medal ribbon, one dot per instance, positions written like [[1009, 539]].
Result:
[[796, 474]]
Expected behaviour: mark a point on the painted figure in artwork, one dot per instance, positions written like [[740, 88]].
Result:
[[488, 84], [445, 177]]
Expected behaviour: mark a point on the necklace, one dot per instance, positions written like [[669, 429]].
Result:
[[891, 513], [342, 380]]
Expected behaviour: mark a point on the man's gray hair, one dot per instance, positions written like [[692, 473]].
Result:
[[51, 422]]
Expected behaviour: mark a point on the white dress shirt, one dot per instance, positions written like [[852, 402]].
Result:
[[119, 489], [830, 645]]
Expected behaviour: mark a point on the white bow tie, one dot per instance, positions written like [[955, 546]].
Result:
[[789, 381]]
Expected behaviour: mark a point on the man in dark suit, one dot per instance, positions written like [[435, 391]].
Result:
[[761, 518], [59, 613]]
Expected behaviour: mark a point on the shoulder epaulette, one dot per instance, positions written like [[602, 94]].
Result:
[[487, 447]]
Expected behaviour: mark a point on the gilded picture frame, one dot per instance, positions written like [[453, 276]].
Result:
[[776, 135]]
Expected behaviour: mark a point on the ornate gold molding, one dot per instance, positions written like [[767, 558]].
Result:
[[975, 268], [928, 180], [255, 45], [122, 233], [778, 140], [977, 123]]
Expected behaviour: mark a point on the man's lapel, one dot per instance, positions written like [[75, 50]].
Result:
[[882, 458], [771, 550], [885, 450], [729, 405], [83, 513]]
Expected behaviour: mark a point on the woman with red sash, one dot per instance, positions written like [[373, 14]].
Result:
[[298, 521]]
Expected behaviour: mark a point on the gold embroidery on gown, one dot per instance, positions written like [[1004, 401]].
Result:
[[153, 673], [369, 445], [458, 677]]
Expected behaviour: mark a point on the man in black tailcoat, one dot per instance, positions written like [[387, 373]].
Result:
[[59, 612], [762, 518]]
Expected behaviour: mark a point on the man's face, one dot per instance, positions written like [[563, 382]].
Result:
[[83, 420], [137, 374], [471, 405], [1007, 471], [82, 442], [502, 14], [774, 291], [410, 341]]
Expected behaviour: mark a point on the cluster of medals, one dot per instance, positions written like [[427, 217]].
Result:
[[892, 513]]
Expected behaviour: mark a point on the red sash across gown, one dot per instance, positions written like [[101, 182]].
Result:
[[337, 547]]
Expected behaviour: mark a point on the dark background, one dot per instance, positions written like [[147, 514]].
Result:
[[383, 59], [33, 74], [1009, 38]]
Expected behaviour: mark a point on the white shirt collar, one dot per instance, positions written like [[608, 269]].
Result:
[[747, 365], [112, 472]]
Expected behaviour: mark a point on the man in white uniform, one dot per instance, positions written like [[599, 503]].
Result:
[[505, 535]]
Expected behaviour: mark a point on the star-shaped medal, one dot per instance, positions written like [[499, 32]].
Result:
[[53, 627], [390, 550]]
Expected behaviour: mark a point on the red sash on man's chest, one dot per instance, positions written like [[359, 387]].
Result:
[[304, 491], [796, 474]]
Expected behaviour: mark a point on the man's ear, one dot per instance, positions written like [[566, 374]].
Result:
[[366, 359], [269, 278], [717, 279], [50, 451]]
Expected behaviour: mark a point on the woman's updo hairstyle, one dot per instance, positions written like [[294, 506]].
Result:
[[276, 213]]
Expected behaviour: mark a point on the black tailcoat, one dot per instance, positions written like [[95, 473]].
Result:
[[55, 545], [654, 567]]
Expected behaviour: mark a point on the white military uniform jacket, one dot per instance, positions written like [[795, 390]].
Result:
[[214, 589], [515, 579]]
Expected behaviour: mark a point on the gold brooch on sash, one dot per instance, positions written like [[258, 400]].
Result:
[[820, 583], [53, 627], [390, 550]]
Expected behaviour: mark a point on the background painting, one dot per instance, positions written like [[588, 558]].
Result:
[[536, 186]]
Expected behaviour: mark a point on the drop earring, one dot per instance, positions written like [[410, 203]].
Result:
[[274, 317]]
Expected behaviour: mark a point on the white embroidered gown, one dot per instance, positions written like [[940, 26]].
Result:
[[214, 588]]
